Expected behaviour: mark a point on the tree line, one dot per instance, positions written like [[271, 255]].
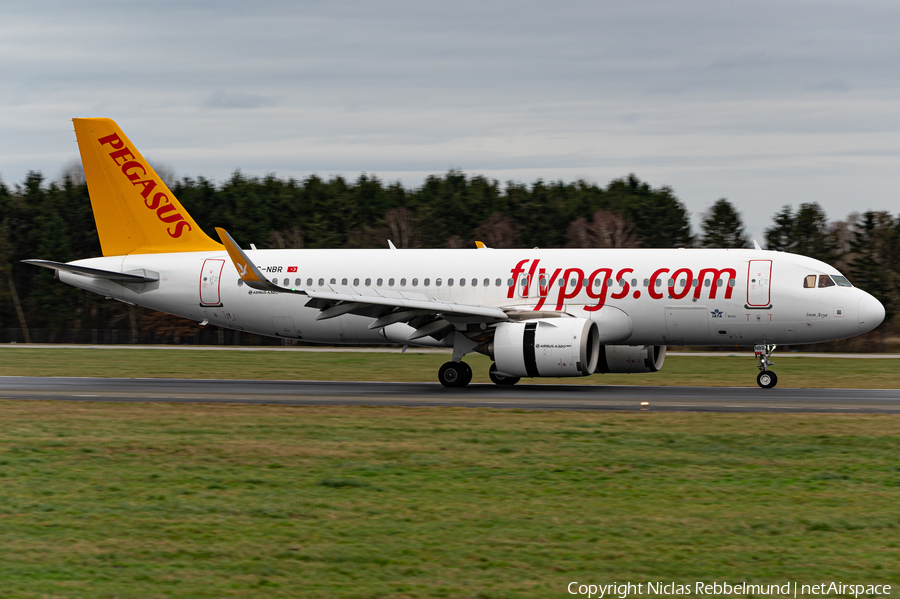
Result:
[[54, 220]]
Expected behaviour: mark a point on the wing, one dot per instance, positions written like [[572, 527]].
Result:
[[430, 317]]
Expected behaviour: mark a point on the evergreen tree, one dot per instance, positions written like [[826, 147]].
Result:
[[875, 266], [722, 227]]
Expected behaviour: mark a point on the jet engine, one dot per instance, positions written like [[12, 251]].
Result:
[[631, 358], [546, 347]]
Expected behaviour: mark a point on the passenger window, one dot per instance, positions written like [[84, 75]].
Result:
[[427, 282], [321, 282], [333, 282], [462, 282], [379, 282], [825, 281], [415, 282], [474, 282], [646, 282], [343, 281], [297, 282], [487, 282], [403, 282], [390, 282], [509, 283], [309, 282], [240, 282], [562, 283], [368, 282], [449, 282], [498, 282], [287, 282], [356, 282], [809, 282], [437, 282], [731, 282]]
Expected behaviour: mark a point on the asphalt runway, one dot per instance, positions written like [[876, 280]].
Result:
[[521, 396]]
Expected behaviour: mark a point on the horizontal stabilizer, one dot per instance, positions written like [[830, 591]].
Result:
[[138, 276]]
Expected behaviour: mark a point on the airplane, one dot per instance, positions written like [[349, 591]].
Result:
[[534, 312]]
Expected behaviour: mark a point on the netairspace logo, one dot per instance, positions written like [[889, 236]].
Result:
[[621, 590]]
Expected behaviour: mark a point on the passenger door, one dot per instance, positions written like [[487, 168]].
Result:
[[210, 280], [759, 276]]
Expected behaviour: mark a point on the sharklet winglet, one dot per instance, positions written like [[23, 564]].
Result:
[[249, 273]]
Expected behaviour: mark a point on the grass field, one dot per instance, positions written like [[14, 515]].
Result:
[[730, 371], [157, 500]]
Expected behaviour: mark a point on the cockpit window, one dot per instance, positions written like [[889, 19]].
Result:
[[825, 281], [809, 282], [842, 281]]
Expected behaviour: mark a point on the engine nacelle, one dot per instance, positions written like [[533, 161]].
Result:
[[547, 347], [631, 358]]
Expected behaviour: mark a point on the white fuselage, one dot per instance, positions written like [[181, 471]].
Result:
[[672, 297]]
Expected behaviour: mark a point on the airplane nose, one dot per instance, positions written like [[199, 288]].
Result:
[[871, 313]]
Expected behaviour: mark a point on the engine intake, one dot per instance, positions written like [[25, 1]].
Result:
[[547, 347], [631, 358]]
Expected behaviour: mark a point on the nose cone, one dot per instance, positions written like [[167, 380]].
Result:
[[871, 313]]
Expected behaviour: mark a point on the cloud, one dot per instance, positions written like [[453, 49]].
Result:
[[239, 100], [766, 103]]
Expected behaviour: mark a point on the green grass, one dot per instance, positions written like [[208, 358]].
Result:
[[159, 500], [728, 371]]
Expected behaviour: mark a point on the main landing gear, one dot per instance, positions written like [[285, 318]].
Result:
[[766, 378], [455, 374]]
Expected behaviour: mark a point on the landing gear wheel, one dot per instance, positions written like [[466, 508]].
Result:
[[455, 374], [499, 379], [767, 379], [467, 374]]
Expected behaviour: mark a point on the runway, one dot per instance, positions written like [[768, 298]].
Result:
[[522, 396]]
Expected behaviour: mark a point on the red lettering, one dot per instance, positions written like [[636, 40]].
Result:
[[689, 277], [154, 203], [123, 153], [530, 277], [652, 288], [168, 219], [148, 187], [544, 289], [626, 286], [113, 140], [515, 277], [601, 297], [129, 167], [716, 276], [576, 289], [178, 228]]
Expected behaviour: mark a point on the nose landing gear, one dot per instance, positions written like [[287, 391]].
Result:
[[766, 378]]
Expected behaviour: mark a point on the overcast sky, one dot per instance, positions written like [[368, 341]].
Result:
[[764, 103]]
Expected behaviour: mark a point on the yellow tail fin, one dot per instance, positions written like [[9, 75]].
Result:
[[134, 210]]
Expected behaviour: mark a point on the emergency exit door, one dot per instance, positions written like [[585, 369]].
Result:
[[210, 279], [759, 276]]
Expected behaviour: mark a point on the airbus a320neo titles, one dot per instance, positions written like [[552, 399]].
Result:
[[535, 312]]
